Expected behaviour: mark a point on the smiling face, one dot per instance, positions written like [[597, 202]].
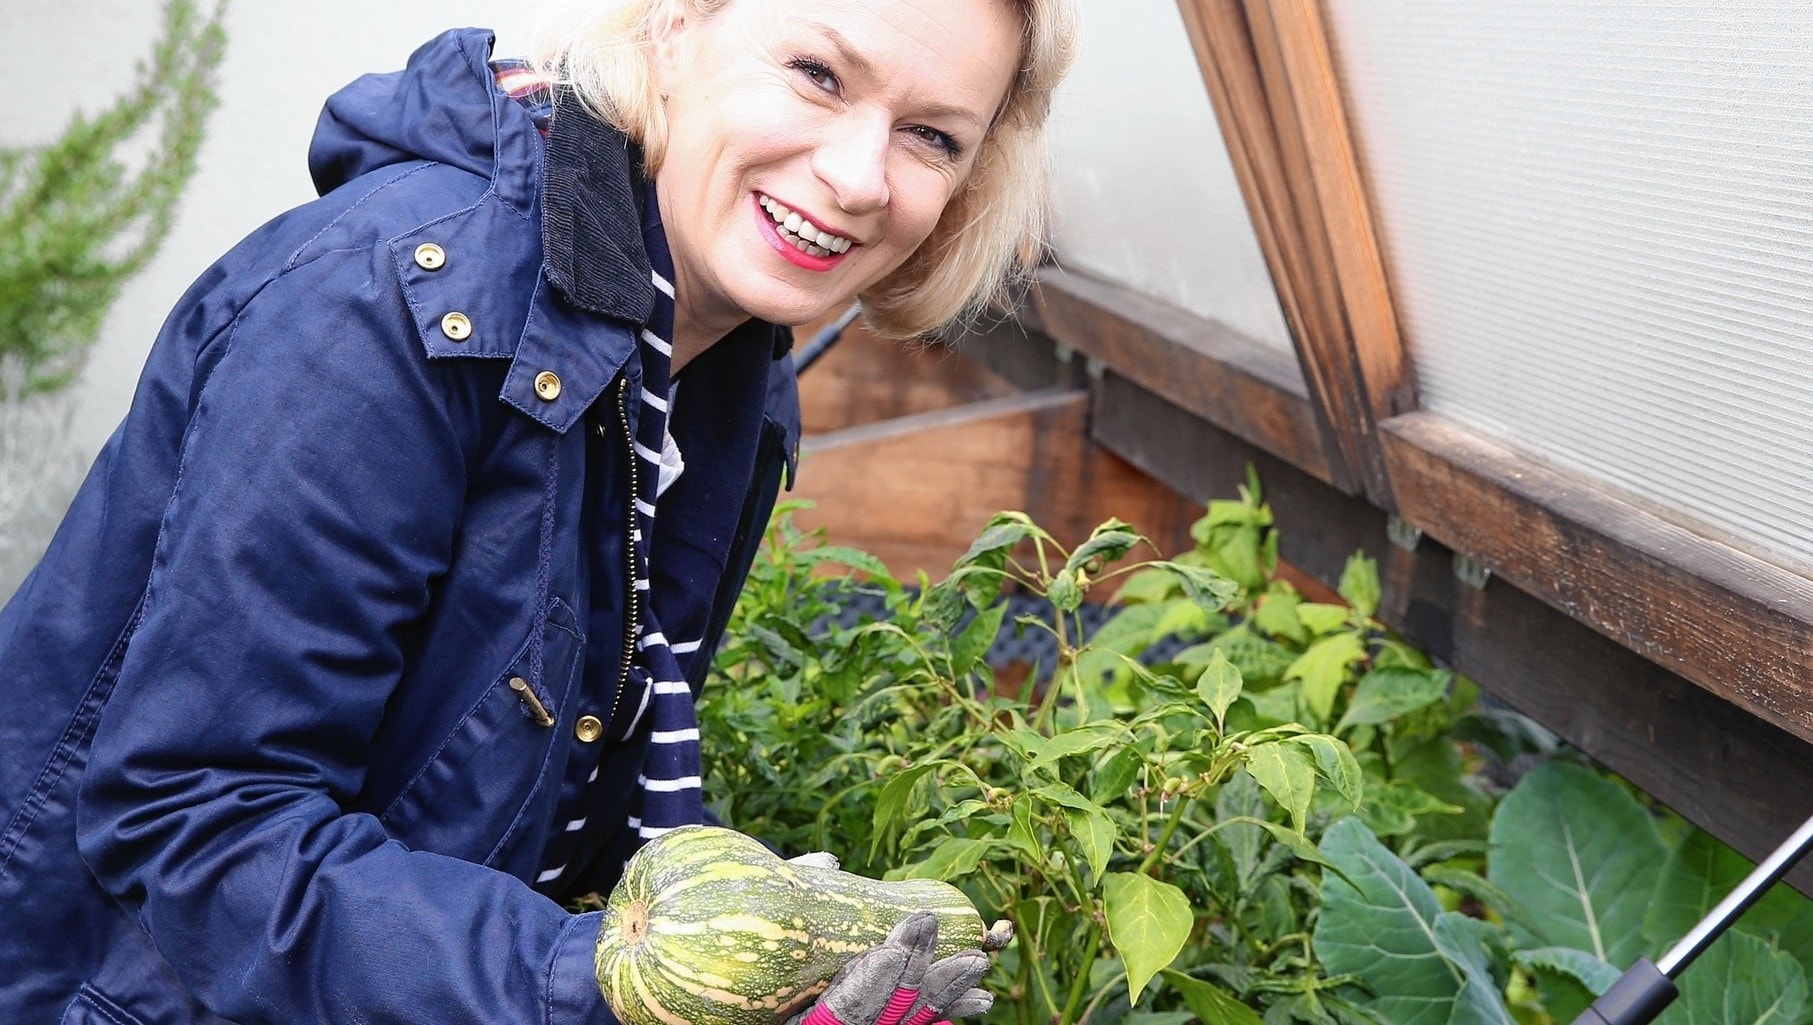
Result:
[[813, 144]]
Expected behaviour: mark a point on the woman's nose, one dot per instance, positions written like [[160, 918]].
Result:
[[852, 161]]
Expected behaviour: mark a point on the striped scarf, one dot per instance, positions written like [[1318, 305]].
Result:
[[669, 785]]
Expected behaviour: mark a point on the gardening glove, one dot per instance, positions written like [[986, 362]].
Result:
[[898, 982]]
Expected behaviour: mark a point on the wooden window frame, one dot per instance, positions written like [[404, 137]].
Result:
[[1725, 635]]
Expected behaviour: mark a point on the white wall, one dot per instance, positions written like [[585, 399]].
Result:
[[282, 60], [1146, 192]]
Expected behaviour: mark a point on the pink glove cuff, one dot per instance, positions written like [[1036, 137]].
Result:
[[820, 1015], [925, 1016], [898, 1005]]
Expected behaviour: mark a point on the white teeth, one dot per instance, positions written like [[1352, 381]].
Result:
[[803, 234]]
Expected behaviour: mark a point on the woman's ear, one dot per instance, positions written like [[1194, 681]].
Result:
[[667, 28]]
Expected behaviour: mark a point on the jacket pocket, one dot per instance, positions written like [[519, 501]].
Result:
[[493, 768], [92, 1007]]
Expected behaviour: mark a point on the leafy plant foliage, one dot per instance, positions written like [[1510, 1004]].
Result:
[[1230, 803], [76, 221]]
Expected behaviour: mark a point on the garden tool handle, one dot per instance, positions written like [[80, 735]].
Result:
[[1641, 993], [1636, 998]]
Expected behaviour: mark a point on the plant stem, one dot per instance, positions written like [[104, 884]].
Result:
[[1101, 994], [1164, 837], [1030, 956], [1080, 984]]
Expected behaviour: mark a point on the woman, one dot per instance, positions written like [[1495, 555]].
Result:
[[374, 631]]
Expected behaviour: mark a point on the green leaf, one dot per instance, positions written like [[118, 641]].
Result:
[[1474, 886], [1740, 980], [1286, 772], [1402, 798], [1157, 1018], [1147, 585], [1569, 980], [1064, 592], [1203, 585], [1065, 796], [1581, 857], [978, 571], [851, 558], [1323, 668], [1242, 848], [893, 799], [975, 640], [1336, 763], [1698, 874], [1004, 531], [1081, 740], [953, 858], [1115, 777], [1322, 619], [1106, 544], [1385, 694], [1148, 922], [1360, 584], [1435, 766], [1382, 923], [1210, 1003], [1277, 615], [1023, 835], [1219, 686], [1094, 832]]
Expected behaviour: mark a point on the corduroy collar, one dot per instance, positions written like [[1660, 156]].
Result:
[[591, 220]]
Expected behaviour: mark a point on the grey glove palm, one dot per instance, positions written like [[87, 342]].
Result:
[[899, 982]]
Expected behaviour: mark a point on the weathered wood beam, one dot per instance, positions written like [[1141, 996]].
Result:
[[1271, 78], [1728, 620], [1253, 390]]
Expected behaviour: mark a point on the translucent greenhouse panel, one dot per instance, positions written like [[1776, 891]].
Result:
[[1146, 195], [1599, 224]]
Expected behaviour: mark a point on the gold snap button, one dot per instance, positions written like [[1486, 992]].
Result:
[[547, 385], [588, 729], [456, 326], [429, 256]]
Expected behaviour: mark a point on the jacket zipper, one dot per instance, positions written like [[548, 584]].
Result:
[[633, 605]]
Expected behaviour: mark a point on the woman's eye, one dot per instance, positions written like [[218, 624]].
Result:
[[941, 140], [817, 73]]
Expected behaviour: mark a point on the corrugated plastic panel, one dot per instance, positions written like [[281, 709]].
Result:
[[1599, 224], [1146, 194]]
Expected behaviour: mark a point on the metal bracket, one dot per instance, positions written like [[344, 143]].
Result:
[[1062, 352], [1095, 368], [1471, 571], [1403, 533]]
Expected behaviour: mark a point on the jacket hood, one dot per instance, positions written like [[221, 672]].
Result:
[[441, 107]]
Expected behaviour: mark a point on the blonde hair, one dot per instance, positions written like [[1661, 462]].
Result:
[[993, 231]]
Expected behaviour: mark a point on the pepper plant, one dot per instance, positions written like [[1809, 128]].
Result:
[[1141, 811], [1060, 807]]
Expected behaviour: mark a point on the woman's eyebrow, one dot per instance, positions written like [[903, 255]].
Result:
[[853, 59]]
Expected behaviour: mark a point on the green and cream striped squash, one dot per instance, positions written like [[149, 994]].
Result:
[[708, 927]]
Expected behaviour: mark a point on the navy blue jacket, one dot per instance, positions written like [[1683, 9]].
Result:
[[260, 758]]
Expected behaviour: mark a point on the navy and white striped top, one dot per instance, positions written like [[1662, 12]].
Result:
[[669, 782]]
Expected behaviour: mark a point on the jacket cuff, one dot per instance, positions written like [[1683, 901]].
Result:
[[573, 994]]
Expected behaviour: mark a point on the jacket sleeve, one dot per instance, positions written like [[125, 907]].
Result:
[[320, 491]]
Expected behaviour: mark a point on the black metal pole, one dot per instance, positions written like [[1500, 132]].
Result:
[[822, 342], [1643, 992]]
